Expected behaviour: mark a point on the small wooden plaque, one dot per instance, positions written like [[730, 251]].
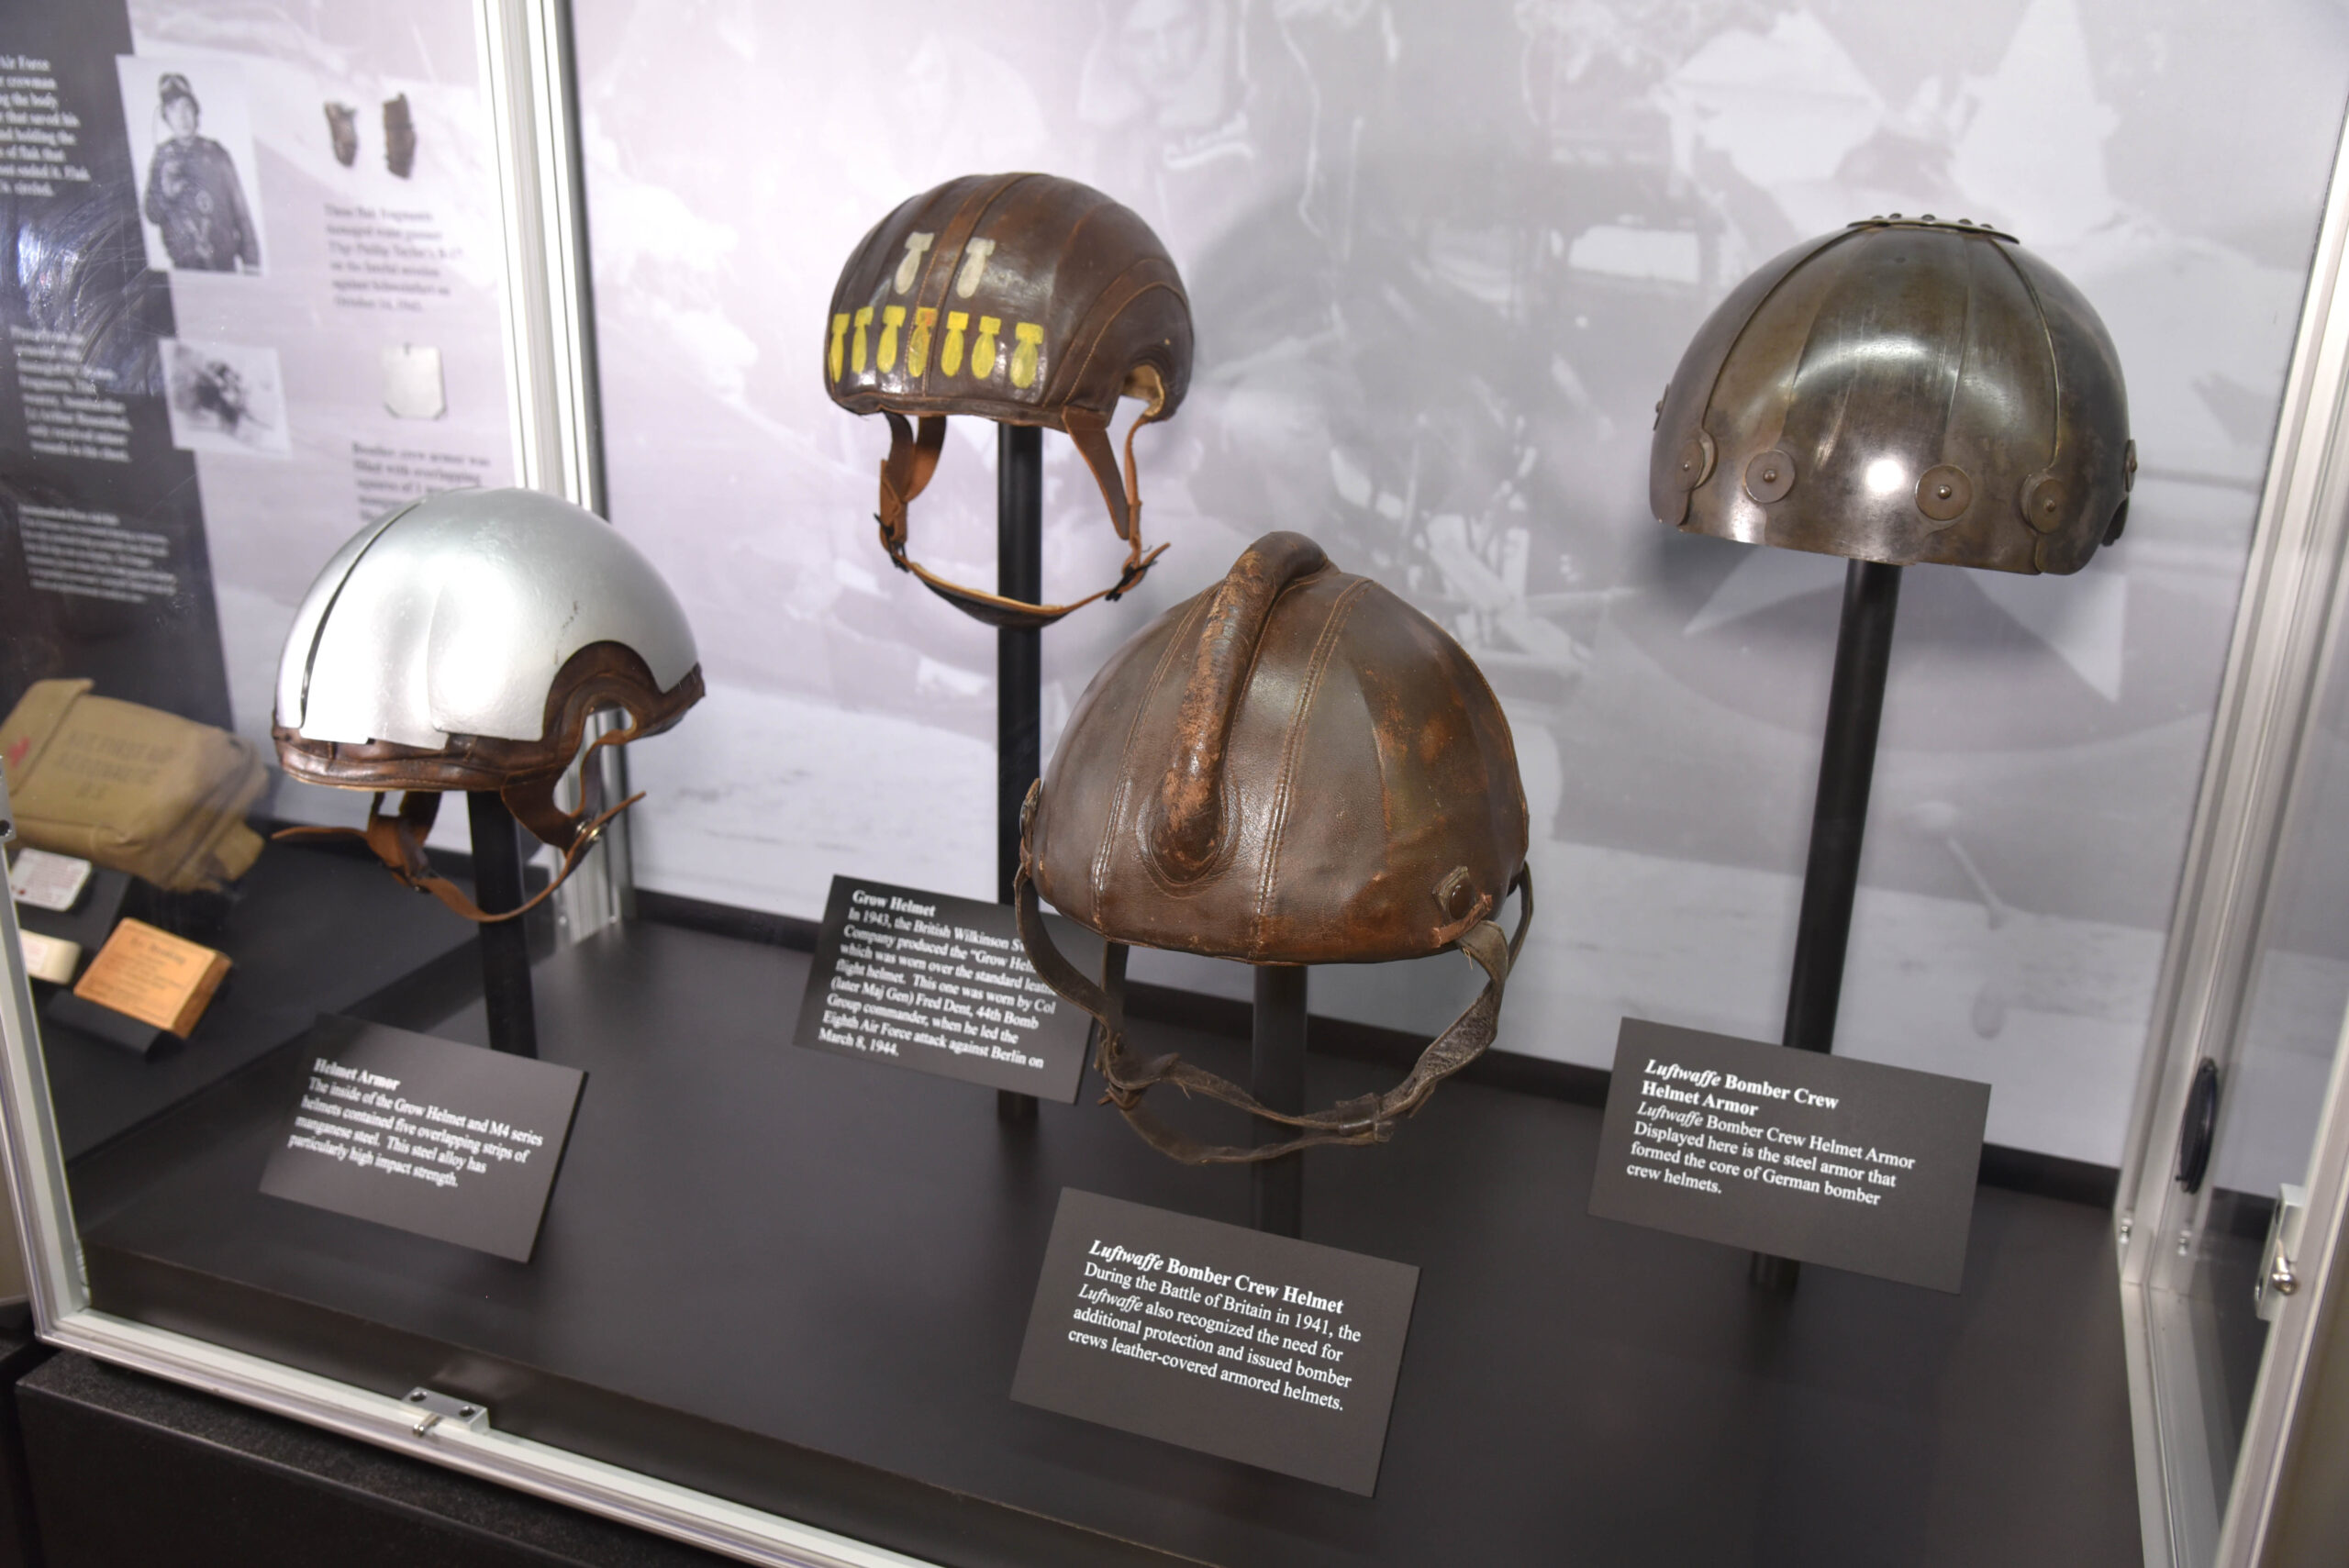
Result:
[[153, 976]]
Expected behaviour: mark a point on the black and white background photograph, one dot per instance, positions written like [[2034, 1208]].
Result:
[[191, 146], [224, 397], [1442, 259]]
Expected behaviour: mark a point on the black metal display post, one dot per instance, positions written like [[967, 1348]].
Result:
[[1018, 666], [1276, 1077], [505, 947], [1838, 819]]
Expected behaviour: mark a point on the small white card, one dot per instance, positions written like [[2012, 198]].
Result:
[[47, 881], [49, 958], [413, 388]]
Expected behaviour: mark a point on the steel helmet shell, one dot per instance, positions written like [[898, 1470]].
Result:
[[1024, 298], [462, 643], [1903, 391]]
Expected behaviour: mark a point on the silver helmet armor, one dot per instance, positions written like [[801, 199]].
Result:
[[462, 643]]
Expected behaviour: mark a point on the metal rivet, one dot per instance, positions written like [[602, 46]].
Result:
[[1695, 460], [467, 1412], [2044, 502], [1944, 492], [2129, 468], [1769, 476], [1895, 217], [417, 1398]]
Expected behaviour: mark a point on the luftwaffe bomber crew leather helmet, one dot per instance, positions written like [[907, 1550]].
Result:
[[1903, 391], [461, 644], [1022, 298], [1294, 767]]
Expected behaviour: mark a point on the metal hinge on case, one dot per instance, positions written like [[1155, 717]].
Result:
[[432, 1408], [2278, 1277]]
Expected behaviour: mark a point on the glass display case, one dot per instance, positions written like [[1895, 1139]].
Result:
[[606, 1196]]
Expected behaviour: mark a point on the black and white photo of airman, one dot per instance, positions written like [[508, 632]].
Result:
[[191, 141]]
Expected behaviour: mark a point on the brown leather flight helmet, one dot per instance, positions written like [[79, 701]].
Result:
[[1294, 767], [1903, 391], [462, 643], [1023, 298]]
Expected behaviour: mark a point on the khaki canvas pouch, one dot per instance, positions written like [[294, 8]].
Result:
[[142, 791]]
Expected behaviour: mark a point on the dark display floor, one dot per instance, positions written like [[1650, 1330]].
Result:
[[801, 1281], [308, 930]]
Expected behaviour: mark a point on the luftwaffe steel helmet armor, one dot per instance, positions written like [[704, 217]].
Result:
[[461, 644], [1902, 391], [1294, 767], [1023, 298]]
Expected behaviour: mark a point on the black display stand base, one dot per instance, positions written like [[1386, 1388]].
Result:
[[787, 1278], [1018, 669], [1839, 820], [1276, 1077], [505, 945], [126, 1469], [144, 1041], [19, 1353]]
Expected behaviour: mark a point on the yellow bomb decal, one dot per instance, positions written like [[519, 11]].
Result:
[[912, 331]]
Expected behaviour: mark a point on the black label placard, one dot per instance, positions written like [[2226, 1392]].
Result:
[[425, 1135], [1272, 1352], [1853, 1164], [941, 984]]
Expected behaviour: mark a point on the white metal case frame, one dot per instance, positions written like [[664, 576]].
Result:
[[2288, 623], [527, 75], [2290, 612], [62, 1312]]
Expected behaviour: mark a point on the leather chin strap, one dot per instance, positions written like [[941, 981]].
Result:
[[397, 838], [1370, 1120], [913, 459]]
